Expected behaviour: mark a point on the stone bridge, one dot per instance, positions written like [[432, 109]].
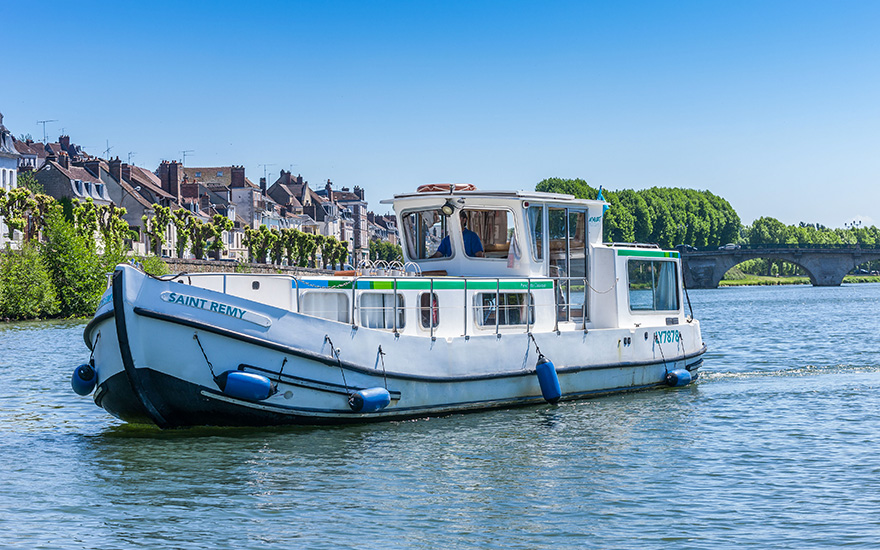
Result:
[[824, 266]]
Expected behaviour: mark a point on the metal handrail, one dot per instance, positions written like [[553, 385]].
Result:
[[300, 286]]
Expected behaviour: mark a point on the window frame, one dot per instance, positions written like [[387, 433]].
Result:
[[425, 311], [302, 301], [401, 310], [677, 285], [411, 253], [479, 309]]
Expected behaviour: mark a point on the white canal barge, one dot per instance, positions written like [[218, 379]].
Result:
[[507, 299]]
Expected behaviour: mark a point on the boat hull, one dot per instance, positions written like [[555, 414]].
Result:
[[158, 362]]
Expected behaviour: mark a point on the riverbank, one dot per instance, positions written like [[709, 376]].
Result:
[[760, 280]]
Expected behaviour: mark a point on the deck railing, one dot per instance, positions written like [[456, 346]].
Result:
[[563, 310]]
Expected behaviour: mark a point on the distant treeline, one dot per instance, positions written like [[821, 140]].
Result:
[[673, 216], [665, 216]]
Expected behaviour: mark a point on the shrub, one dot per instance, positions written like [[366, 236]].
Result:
[[26, 290], [76, 269], [154, 265]]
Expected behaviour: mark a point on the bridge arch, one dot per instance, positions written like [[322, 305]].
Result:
[[824, 266]]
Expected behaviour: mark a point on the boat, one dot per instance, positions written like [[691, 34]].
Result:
[[504, 299]]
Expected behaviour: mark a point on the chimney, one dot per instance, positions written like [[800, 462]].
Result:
[[237, 176], [65, 142], [263, 186], [359, 192], [93, 166], [62, 160], [170, 175], [126, 171], [285, 178], [116, 169], [299, 179]]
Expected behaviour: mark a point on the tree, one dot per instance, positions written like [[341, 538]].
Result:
[[26, 289], [289, 242], [205, 236], [14, 207], [385, 251], [221, 223], [76, 270], [180, 219], [156, 227]]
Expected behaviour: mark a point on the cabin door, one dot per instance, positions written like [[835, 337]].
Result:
[[569, 261]]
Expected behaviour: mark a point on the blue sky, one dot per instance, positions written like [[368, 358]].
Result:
[[774, 106]]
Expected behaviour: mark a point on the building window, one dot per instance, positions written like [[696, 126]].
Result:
[[198, 174], [510, 308], [429, 310], [326, 305], [220, 173], [377, 310], [653, 285]]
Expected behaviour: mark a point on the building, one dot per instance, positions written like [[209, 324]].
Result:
[[353, 209], [63, 180], [9, 158]]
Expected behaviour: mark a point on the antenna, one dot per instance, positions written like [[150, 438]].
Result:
[[265, 172], [183, 162], [44, 122], [107, 150], [130, 154]]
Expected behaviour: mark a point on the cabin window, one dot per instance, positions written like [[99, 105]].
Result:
[[424, 230], [377, 310], [488, 233], [326, 305], [504, 309], [536, 225], [429, 310], [653, 285]]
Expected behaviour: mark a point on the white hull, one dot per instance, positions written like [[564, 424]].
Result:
[[157, 360]]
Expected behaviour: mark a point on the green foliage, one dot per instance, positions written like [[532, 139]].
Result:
[[276, 245], [259, 242], [383, 250], [666, 216], [28, 181], [205, 236], [154, 265], [26, 290], [156, 227], [180, 219], [78, 273], [14, 208]]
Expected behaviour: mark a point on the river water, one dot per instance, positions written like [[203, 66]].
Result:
[[776, 446]]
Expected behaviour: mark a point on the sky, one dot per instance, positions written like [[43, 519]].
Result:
[[772, 105]]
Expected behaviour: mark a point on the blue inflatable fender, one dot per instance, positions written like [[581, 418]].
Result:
[[678, 377], [245, 385], [548, 379], [369, 400], [83, 379]]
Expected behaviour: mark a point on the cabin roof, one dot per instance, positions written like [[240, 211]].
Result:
[[480, 194]]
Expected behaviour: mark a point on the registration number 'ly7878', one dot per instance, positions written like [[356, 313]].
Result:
[[667, 336]]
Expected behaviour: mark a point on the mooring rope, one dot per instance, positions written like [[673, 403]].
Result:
[[382, 359], [335, 353], [205, 355]]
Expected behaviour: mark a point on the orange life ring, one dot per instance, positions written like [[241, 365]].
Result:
[[445, 187]]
